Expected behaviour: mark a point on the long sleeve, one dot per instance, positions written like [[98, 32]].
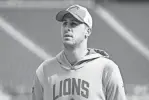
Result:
[[114, 88], [37, 90]]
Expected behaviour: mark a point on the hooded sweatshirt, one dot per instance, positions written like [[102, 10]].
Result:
[[94, 77]]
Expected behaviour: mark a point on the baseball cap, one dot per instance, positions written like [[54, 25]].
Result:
[[79, 12]]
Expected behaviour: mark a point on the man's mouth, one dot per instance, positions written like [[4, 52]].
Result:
[[67, 35]]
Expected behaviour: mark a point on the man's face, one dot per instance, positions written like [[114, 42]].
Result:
[[72, 31]]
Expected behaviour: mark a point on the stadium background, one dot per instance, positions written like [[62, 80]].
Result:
[[18, 63]]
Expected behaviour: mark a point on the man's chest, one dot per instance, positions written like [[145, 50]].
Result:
[[83, 83]]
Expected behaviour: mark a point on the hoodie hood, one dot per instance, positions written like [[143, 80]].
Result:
[[91, 55]]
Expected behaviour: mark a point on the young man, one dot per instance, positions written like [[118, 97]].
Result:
[[78, 72]]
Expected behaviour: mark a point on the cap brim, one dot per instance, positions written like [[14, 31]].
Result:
[[61, 14]]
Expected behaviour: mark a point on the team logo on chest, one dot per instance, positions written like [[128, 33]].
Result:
[[71, 86]]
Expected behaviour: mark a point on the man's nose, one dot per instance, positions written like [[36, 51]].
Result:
[[67, 28]]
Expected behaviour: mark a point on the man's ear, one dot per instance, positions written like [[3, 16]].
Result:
[[89, 31]]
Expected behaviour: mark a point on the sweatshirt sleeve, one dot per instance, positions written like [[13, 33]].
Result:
[[114, 88], [37, 90]]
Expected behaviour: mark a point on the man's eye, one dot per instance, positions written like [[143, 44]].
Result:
[[64, 23], [73, 24]]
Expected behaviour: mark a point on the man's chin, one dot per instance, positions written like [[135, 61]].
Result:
[[68, 44]]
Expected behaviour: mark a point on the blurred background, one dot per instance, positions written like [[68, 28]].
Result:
[[29, 34]]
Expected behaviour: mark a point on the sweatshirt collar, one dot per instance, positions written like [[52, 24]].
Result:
[[92, 54]]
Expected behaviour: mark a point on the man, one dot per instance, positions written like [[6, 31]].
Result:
[[78, 72]]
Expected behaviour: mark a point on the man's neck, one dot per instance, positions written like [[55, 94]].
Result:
[[74, 55]]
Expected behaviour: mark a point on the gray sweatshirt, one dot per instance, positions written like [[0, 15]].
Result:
[[94, 77]]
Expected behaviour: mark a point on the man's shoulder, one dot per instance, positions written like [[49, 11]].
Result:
[[110, 68], [109, 64], [46, 63]]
